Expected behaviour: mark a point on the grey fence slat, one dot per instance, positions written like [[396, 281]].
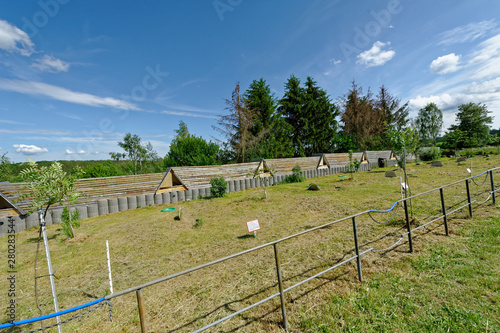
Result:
[[33, 220], [113, 205], [150, 200], [141, 200], [158, 198], [132, 202], [122, 204], [92, 210], [166, 197], [173, 197], [56, 214], [102, 207], [82, 212]]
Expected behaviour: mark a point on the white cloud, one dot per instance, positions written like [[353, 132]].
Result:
[[29, 149], [487, 92], [376, 56], [466, 33], [70, 152], [51, 65], [487, 58], [446, 64], [12, 122], [63, 94], [187, 114], [14, 39], [34, 131]]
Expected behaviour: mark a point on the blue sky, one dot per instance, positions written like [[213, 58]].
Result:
[[76, 76]]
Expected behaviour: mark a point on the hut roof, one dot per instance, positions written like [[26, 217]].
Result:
[[8, 207], [92, 189], [342, 159], [373, 156], [199, 176], [284, 165]]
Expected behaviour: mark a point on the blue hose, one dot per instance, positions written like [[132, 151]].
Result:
[[383, 211], [52, 315]]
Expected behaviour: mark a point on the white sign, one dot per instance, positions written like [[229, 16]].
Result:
[[253, 225], [405, 186], [469, 171]]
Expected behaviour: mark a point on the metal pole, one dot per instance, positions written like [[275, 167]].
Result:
[[51, 273], [492, 187], [280, 286], [358, 259], [468, 197], [408, 226], [141, 310], [109, 268], [443, 208]]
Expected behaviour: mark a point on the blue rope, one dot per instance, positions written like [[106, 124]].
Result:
[[384, 211], [32, 320], [480, 174]]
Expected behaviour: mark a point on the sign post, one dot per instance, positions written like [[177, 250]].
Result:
[[253, 226]]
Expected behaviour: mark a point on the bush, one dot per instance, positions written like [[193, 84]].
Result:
[[219, 187], [295, 177], [430, 154], [104, 169], [65, 223], [198, 223]]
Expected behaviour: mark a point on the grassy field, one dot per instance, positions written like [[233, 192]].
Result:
[[449, 283]]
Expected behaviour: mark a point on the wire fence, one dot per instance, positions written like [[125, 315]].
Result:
[[445, 211]]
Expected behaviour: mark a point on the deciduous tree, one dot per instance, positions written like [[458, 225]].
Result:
[[429, 123], [190, 150]]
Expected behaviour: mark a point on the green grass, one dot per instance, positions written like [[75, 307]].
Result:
[[449, 287], [147, 244]]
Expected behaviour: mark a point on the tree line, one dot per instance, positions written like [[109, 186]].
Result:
[[303, 122]]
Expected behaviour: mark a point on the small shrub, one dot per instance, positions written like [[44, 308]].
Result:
[[295, 177], [199, 223], [430, 154], [219, 187], [65, 222], [353, 165]]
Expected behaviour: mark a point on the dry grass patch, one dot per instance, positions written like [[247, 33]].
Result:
[[147, 244]]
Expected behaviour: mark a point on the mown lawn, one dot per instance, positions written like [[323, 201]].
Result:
[[451, 286], [401, 292]]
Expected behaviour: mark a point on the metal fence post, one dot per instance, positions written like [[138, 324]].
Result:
[[492, 187], [141, 310], [358, 259], [280, 286], [468, 197], [443, 208], [408, 226]]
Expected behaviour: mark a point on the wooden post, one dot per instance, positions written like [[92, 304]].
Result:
[[141, 310]]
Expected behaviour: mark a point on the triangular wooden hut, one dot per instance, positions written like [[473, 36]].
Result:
[[342, 159], [285, 165], [183, 178], [373, 156]]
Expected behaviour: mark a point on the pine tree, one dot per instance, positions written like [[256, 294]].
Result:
[[291, 108], [321, 133]]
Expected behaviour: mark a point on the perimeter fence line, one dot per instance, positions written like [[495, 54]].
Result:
[[281, 290]]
